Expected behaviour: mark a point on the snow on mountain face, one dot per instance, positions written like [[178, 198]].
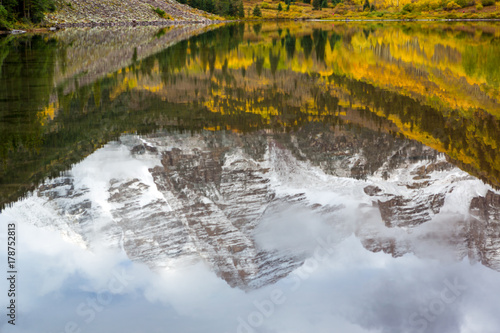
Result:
[[485, 228], [252, 206]]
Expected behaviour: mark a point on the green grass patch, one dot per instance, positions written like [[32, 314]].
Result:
[[160, 12]]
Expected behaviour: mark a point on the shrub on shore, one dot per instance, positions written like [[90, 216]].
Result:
[[452, 5], [160, 12], [256, 11], [3, 18]]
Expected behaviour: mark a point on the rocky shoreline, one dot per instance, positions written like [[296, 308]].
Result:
[[132, 24], [167, 23], [114, 24]]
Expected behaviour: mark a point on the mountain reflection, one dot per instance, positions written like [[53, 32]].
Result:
[[436, 84], [351, 170]]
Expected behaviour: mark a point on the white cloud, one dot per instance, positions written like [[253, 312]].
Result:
[[352, 290], [342, 287]]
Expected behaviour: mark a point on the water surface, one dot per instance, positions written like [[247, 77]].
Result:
[[254, 178]]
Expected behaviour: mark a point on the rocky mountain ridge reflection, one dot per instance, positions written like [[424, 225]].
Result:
[[359, 128], [437, 84], [213, 196]]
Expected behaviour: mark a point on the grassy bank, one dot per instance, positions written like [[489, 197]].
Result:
[[425, 9]]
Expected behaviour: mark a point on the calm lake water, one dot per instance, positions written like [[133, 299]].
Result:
[[275, 177]]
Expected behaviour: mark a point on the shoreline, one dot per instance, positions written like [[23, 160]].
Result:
[[56, 27], [210, 22], [131, 24], [407, 20]]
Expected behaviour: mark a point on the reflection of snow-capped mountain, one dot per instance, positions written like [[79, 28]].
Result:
[[251, 206]]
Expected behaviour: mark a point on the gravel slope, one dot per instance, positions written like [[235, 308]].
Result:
[[91, 12]]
